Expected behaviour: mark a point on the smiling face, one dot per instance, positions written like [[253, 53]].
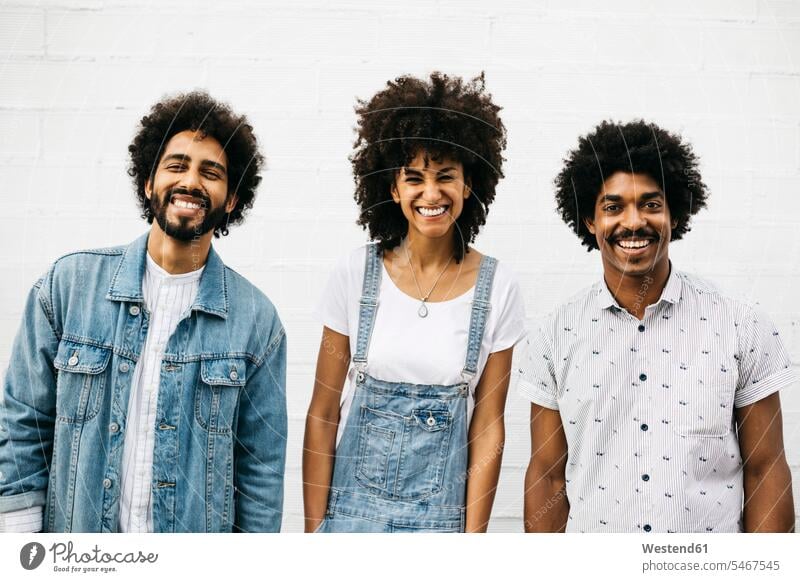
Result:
[[189, 190], [632, 224], [431, 194]]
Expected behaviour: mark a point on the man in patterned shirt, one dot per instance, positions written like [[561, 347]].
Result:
[[655, 397]]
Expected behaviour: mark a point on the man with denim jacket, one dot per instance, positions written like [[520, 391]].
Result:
[[146, 386]]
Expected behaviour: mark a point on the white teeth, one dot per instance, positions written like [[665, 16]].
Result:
[[436, 211], [185, 204], [633, 244]]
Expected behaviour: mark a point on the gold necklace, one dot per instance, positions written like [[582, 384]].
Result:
[[423, 309]]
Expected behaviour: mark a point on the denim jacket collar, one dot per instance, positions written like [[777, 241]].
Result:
[[126, 285]]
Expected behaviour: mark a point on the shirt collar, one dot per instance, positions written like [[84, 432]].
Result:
[[126, 285], [671, 292]]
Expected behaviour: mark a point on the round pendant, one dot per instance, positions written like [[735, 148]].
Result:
[[422, 311]]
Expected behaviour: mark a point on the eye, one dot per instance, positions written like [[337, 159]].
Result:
[[445, 178], [653, 205], [413, 180], [211, 175], [176, 167], [611, 208]]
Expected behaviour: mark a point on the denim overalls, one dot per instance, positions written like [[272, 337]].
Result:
[[401, 464]]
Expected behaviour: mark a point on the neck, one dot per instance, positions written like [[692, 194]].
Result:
[[174, 256], [635, 292], [428, 253]]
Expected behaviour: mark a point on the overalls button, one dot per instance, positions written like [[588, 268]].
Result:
[[134, 310], [73, 361], [360, 377]]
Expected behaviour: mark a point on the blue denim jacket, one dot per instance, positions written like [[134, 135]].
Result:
[[220, 434]]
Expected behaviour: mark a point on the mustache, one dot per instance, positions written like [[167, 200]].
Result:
[[638, 233], [195, 193]]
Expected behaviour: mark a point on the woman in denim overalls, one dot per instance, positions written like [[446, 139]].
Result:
[[408, 451]]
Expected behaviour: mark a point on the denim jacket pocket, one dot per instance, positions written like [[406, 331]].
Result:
[[217, 393], [81, 381]]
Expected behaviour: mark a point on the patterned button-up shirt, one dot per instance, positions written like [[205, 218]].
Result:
[[648, 406]]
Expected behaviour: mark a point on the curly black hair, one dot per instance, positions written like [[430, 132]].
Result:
[[444, 117], [198, 111], [634, 147]]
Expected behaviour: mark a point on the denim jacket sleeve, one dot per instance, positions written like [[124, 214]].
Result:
[[260, 453], [28, 407]]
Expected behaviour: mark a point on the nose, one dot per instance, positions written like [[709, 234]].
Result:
[[190, 179], [431, 193], [632, 218]]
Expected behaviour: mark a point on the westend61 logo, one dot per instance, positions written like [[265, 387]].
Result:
[[66, 559]]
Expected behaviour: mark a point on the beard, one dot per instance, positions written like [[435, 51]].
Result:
[[182, 229]]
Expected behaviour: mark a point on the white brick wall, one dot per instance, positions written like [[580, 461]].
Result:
[[76, 75]]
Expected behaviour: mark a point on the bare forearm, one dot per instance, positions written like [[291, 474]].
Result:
[[319, 449], [485, 459], [768, 506], [546, 503]]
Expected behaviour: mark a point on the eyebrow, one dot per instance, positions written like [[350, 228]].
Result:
[[618, 198], [205, 163], [416, 172]]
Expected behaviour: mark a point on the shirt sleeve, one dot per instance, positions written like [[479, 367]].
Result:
[[331, 309], [28, 520], [536, 375], [510, 326], [764, 364]]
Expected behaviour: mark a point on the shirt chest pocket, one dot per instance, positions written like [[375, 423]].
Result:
[[217, 394], [703, 399], [81, 380]]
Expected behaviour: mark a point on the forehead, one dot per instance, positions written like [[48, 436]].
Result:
[[197, 146], [423, 160], [629, 184]]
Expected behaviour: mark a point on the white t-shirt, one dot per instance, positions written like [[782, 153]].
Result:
[[408, 348]]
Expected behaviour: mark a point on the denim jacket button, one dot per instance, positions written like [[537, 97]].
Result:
[[431, 421], [134, 310], [360, 377], [73, 361], [113, 427], [107, 483], [234, 375], [124, 367]]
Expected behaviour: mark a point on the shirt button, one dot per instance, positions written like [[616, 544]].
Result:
[[645, 477], [644, 427], [641, 327], [134, 310], [647, 527], [107, 483], [642, 377], [113, 427], [73, 361], [234, 375], [124, 367]]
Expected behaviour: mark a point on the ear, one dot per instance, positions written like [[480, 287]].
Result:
[[148, 188], [467, 188], [674, 223], [395, 194], [231, 203], [589, 222]]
